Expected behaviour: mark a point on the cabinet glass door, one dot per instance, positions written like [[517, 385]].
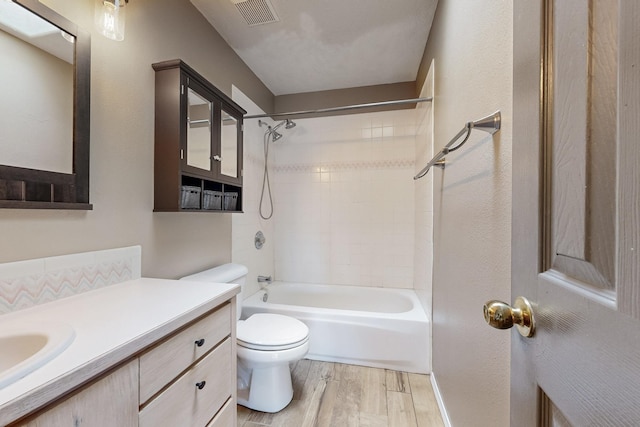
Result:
[[229, 146], [198, 150]]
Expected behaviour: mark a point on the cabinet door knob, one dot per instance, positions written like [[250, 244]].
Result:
[[201, 385], [200, 342], [217, 158]]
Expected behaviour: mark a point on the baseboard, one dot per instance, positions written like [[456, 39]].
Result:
[[436, 392]]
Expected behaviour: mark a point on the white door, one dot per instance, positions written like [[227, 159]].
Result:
[[576, 212]]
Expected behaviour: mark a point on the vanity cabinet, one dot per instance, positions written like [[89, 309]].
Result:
[[110, 401], [186, 379], [198, 143]]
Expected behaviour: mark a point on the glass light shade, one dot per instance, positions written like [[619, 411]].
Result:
[[110, 18]]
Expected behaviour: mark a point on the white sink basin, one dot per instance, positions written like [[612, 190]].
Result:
[[27, 347]]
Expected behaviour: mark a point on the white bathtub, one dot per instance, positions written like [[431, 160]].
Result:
[[383, 328]]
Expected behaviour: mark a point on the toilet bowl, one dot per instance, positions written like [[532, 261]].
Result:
[[266, 344]]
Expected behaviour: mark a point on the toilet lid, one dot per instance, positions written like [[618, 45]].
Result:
[[266, 331]]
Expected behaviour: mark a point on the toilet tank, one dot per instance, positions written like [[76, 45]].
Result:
[[226, 273]]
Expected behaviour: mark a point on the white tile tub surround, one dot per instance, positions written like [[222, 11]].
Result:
[[24, 284], [344, 200]]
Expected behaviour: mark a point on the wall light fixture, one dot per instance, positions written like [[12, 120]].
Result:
[[110, 17]]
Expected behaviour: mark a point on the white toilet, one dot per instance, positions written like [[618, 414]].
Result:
[[267, 343]]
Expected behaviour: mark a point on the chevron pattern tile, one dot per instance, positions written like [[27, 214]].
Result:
[[24, 291]]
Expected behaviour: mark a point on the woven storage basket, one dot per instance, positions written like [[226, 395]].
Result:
[[212, 200], [230, 201], [190, 197]]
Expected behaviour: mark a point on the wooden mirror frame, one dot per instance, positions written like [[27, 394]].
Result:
[[25, 188]]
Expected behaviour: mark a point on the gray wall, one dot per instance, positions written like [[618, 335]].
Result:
[[122, 140], [471, 44]]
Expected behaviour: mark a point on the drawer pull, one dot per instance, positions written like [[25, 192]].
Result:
[[201, 385], [200, 342]]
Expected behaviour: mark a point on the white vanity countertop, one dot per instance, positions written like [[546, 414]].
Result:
[[111, 325]]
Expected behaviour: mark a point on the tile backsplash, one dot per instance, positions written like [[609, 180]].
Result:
[[24, 284]]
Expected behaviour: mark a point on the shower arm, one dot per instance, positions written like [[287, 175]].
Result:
[[269, 128], [276, 127]]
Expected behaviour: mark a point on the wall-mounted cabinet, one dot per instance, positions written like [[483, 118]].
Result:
[[198, 143]]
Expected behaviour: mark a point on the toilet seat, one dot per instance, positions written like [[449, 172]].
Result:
[[271, 332], [271, 347]]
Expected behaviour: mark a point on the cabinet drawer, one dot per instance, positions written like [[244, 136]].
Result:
[[166, 361], [226, 417], [184, 404]]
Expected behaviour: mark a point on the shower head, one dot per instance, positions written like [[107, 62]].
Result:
[[288, 124]]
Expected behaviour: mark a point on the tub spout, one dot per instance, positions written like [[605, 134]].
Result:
[[264, 279]]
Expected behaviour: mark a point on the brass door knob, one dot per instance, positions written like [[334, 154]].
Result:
[[501, 315]]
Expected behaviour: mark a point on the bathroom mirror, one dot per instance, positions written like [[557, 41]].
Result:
[[198, 131], [229, 145], [44, 108]]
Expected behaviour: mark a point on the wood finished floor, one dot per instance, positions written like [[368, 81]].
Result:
[[329, 394]]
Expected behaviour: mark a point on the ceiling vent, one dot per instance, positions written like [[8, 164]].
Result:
[[256, 12]]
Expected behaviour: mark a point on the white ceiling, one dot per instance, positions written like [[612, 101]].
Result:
[[328, 44]]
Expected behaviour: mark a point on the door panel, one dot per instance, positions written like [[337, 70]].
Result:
[[582, 68], [551, 415], [628, 215], [570, 92], [576, 212], [586, 357]]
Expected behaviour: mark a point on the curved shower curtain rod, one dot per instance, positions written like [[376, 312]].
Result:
[[344, 108]]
